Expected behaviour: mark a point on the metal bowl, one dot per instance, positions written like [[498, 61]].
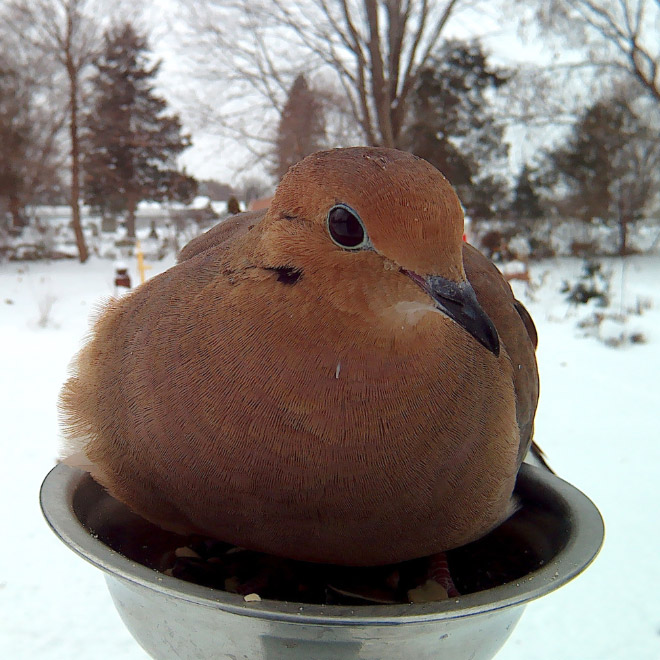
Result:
[[558, 526]]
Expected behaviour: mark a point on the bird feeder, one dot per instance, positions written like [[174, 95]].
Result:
[[172, 618]]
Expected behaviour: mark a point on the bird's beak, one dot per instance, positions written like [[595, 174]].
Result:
[[459, 302]]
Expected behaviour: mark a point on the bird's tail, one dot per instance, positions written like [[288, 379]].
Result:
[[536, 456]]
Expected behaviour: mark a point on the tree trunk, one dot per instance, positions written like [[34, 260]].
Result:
[[131, 205], [72, 73], [624, 219], [18, 221], [379, 85]]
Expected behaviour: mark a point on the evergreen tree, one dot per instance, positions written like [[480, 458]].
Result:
[[583, 167], [453, 127], [301, 130], [608, 167], [131, 145], [526, 204]]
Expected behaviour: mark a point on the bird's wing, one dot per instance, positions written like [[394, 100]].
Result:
[[518, 334], [536, 451], [222, 234]]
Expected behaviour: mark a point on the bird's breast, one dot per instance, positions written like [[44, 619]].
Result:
[[285, 419]]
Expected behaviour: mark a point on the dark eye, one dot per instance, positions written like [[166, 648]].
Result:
[[346, 228]]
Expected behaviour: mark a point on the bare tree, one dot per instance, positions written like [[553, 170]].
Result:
[[621, 34], [30, 154], [15, 136], [32, 108], [65, 31], [372, 50]]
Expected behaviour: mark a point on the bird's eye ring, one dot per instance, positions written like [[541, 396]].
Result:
[[346, 228]]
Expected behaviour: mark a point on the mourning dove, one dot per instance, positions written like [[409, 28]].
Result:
[[337, 379]]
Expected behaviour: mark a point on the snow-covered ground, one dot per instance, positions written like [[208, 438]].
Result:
[[597, 421]]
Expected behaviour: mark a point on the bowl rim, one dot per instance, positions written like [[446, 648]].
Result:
[[582, 547]]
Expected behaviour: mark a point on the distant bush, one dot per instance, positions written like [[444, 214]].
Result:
[[125, 242], [541, 248], [583, 248], [611, 329], [495, 245], [593, 284]]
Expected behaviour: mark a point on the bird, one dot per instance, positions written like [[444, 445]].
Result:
[[338, 378]]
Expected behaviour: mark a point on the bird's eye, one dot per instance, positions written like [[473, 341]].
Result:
[[346, 228]]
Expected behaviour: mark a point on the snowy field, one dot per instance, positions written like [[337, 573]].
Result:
[[598, 422]]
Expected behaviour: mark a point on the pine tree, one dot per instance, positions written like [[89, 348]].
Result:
[[453, 127], [131, 145], [301, 130]]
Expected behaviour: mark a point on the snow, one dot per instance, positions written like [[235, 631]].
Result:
[[597, 422]]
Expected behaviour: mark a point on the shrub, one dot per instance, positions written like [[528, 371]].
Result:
[[593, 284]]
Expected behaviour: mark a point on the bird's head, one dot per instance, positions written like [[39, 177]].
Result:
[[378, 230]]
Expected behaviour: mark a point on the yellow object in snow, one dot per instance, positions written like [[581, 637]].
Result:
[[142, 267]]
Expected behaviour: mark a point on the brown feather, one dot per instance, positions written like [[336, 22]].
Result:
[[336, 416], [222, 234], [517, 332]]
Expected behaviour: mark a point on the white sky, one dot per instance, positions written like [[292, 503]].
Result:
[[222, 159]]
